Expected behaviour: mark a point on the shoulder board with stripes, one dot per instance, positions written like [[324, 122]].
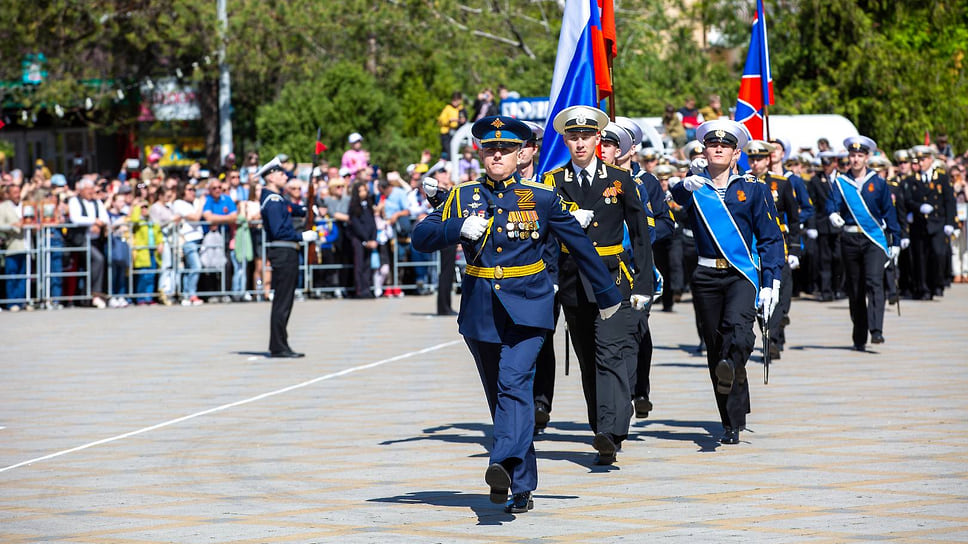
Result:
[[537, 185]]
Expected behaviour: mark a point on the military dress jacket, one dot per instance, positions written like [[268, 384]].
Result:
[[787, 210], [505, 266], [934, 188], [615, 199], [751, 206], [873, 189], [820, 187]]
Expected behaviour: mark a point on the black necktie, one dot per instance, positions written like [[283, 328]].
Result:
[[584, 182]]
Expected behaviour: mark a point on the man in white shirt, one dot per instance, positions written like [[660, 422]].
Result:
[[91, 219]]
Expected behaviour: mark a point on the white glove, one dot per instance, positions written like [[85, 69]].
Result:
[[556, 288], [794, 262], [892, 253], [949, 230], [639, 302], [769, 298], [584, 217], [674, 180], [310, 236], [693, 182], [698, 165], [926, 208], [836, 220], [812, 233], [608, 312], [473, 227], [905, 242], [430, 186], [909, 217]]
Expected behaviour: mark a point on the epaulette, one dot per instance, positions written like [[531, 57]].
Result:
[[537, 185], [777, 176], [555, 171], [468, 184]]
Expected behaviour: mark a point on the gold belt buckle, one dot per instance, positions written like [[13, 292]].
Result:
[[722, 264], [498, 273]]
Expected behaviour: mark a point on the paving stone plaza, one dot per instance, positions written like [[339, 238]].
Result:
[[150, 425]]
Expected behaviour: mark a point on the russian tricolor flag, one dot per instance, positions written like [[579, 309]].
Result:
[[581, 71], [756, 87]]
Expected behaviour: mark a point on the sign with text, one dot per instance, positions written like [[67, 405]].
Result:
[[169, 100], [526, 109]]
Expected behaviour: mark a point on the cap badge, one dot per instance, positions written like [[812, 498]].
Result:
[[581, 119], [720, 133], [497, 133], [497, 123]]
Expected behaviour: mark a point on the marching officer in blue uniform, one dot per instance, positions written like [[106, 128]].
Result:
[[502, 223], [861, 203], [729, 212], [283, 252], [604, 199]]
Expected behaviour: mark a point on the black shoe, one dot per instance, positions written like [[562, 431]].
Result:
[[606, 449], [859, 347], [519, 503], [774, 352], [730, 436], [826, 297], [724, 377], [642, 406], [892, 300], [286, 354], [939, 293], [786, 320], [447, 313], [701, 347], [541, 416], [498, 478], [877, 338], [925, 296]]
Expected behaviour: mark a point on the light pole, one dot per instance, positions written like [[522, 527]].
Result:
[[224, 86]]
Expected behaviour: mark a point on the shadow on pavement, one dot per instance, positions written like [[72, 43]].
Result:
[[706, 440], [487, 512]]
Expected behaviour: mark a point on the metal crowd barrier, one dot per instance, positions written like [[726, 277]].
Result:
[[47, 245]]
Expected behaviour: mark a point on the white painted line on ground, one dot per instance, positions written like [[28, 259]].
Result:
[[234, 404]]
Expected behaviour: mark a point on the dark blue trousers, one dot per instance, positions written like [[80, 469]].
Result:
[[507, 373]]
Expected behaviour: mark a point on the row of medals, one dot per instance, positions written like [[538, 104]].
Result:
[[522, 230]]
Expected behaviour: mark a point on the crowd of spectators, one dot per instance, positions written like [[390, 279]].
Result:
[[157, 237]]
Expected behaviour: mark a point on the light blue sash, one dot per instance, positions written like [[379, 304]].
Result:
[[725, 233], [862, 214]]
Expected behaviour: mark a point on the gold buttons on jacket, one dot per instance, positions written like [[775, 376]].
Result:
[[500, 249], [497, 286], [595, 224], [595, 244], [500, 211], [500, 195], [499, 229]]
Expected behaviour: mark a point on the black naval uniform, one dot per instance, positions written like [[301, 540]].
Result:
[[282, 248], [788, 216], [606, 349], [892, 274], [928, 241], [661, 228], [827, 266]]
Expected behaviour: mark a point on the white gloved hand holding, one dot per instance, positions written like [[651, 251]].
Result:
[[949, 230], [836, 220], [584, 217], [812, 233], [794, 262], [556, 288], [310, 236], [673, 181], [892, 253], [430, 186], [905, 242], [608, 312], [909, 218], [693, 182], [926, 208], [473, 227], [769, 298], [698, 165], [639, 302]]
